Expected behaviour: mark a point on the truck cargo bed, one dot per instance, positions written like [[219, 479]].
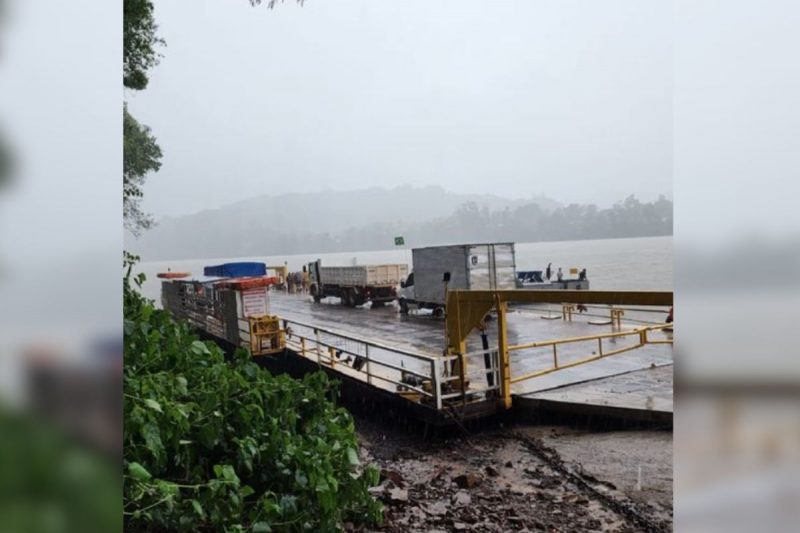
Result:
[[364, 275]]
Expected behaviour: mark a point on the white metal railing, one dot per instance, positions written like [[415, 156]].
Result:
[[482, 377], [417, 376]]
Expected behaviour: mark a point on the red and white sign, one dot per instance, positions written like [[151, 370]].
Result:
[[254, 302]]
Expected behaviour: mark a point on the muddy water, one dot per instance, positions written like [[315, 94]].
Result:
[[634, 264]]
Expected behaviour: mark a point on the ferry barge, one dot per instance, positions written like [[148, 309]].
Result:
[[229, 303]]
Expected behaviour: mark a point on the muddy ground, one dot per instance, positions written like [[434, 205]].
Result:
[[521, 478]]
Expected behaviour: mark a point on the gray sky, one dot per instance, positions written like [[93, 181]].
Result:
[[570, 99]]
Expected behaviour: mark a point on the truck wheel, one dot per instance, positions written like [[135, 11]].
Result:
[[438, 312], [377, 304], [345, 297], [356, 298], [403, 306]]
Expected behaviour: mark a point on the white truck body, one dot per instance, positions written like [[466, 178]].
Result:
[[356, 285], [363, 275], [471, 266]]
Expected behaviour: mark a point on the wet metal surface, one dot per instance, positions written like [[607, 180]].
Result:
[[649, 389], [588, 383]]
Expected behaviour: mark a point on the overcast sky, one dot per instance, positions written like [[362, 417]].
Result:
[[569, 99]]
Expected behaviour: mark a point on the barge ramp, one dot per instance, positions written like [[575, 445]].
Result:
[[401, 361]]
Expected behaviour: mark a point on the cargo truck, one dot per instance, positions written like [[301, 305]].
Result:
[[356, 285], [468, 266]]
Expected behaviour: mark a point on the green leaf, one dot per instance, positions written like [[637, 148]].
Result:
[[200, 348], [352, 457], [154, 405], [139, 472], [198, 508], [261, 527], [152, 439], [182, 384]]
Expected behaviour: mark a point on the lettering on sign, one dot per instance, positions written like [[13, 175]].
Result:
[[254, 302]]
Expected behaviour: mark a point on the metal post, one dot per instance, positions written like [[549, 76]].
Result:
[[487, 359], [600, 345], [437, 383], [496, 363], [502, 346], [303, 346], [331, 356], [316, 337], [555, 357], [369, 366]]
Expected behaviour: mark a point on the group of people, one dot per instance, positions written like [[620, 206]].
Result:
[[297, 282], [560, 275]]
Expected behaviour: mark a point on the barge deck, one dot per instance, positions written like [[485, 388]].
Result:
[[635, 385]]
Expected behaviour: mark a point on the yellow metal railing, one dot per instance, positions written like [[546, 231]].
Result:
[[468, 309], [642, 334]]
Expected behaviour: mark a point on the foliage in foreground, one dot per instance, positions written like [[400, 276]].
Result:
[[50, 484], [226, 446]]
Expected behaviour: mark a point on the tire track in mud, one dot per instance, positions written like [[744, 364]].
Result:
[[513, 492]]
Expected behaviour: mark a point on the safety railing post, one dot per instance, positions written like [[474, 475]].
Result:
[[303, 346], [502, 346], [555, 356], [437, 382], [316, 338], [600, 345], [369, 365], [331, 357], [496, 362]]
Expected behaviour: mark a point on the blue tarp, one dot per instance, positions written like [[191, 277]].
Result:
[[235, 270]]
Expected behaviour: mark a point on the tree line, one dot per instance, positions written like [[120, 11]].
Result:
[[471, 222]]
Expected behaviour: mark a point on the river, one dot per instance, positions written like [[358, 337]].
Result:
[[643, 263]]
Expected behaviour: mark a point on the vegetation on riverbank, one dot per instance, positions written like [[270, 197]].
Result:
[[224, 445]]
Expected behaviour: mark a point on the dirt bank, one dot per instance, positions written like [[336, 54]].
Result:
[[522, 478]]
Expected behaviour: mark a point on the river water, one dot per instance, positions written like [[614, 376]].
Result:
[[627, 264]]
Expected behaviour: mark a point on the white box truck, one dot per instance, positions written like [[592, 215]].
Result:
[[356, 285], [470, 266]]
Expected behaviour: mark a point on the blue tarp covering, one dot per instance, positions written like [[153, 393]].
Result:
[[235, 270]]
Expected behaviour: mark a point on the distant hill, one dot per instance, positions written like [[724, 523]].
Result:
[[304, 222]]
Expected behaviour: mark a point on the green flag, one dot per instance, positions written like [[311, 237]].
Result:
[[399, 241]]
